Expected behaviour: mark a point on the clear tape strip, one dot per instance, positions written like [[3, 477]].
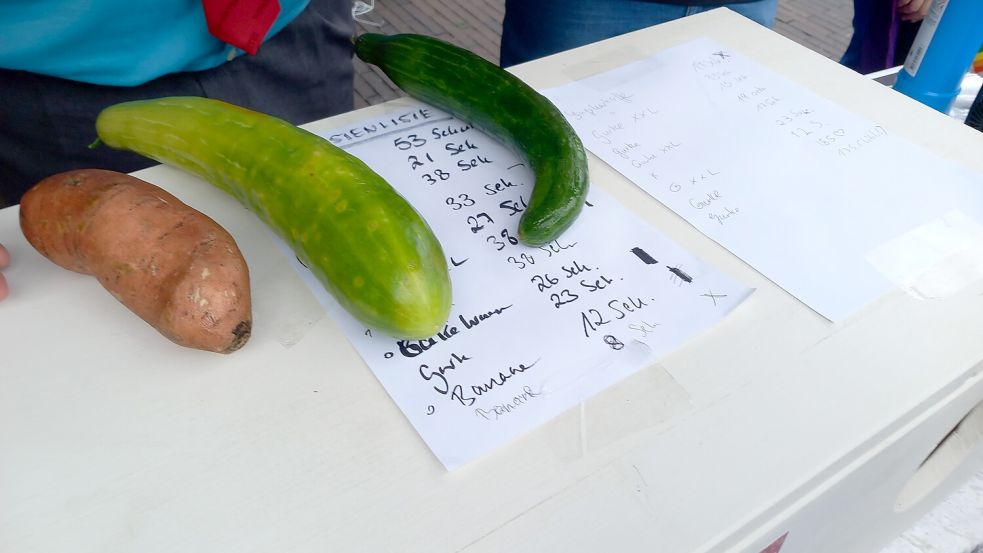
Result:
[[360, 9], [935, 260]]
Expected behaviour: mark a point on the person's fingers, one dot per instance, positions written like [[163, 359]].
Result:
[[922, 11], [903, 4], [3, 287], [914, 10]]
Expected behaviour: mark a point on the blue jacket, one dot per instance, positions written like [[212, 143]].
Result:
[[114, 42]]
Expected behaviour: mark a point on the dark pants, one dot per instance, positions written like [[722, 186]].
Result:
[[302, 74], [880, 39], [536, 28]]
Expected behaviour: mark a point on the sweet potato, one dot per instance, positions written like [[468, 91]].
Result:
[[173, 266]]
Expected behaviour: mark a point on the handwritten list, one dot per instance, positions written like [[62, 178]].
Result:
[[797, 186], [533, 330]]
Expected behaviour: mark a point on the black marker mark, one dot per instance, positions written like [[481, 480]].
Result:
[[516, 165], [721, 54], [644, 256], [368, 332], [459, 263], [615, 343], [682, 275]]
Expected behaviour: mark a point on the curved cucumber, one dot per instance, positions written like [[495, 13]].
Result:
[[362, 240], [495, 101]]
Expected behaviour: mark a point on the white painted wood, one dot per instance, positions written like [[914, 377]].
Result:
[[113, 439]]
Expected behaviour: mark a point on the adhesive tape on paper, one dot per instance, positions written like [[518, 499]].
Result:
[[934, 260], [601, 62]]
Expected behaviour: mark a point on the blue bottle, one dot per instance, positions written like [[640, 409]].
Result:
[[948, 38]]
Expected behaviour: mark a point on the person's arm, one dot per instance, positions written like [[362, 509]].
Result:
[[4, 261]]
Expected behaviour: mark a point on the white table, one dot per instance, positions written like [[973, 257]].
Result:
[[775, 421]]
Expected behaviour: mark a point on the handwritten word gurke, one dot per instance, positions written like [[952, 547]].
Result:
[[705, 201]]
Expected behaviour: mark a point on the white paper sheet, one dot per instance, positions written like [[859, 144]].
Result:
[[533, 331], [798, 187]]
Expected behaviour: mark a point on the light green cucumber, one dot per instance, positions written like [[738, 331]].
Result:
[[363, 241]]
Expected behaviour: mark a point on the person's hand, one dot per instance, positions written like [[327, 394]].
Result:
[[913, 10], [4, 260]]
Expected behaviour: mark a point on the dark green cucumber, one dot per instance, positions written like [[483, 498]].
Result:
[[500, 104], [362, 240]]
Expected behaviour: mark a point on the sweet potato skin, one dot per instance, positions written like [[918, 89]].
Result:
[[170, 264]]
